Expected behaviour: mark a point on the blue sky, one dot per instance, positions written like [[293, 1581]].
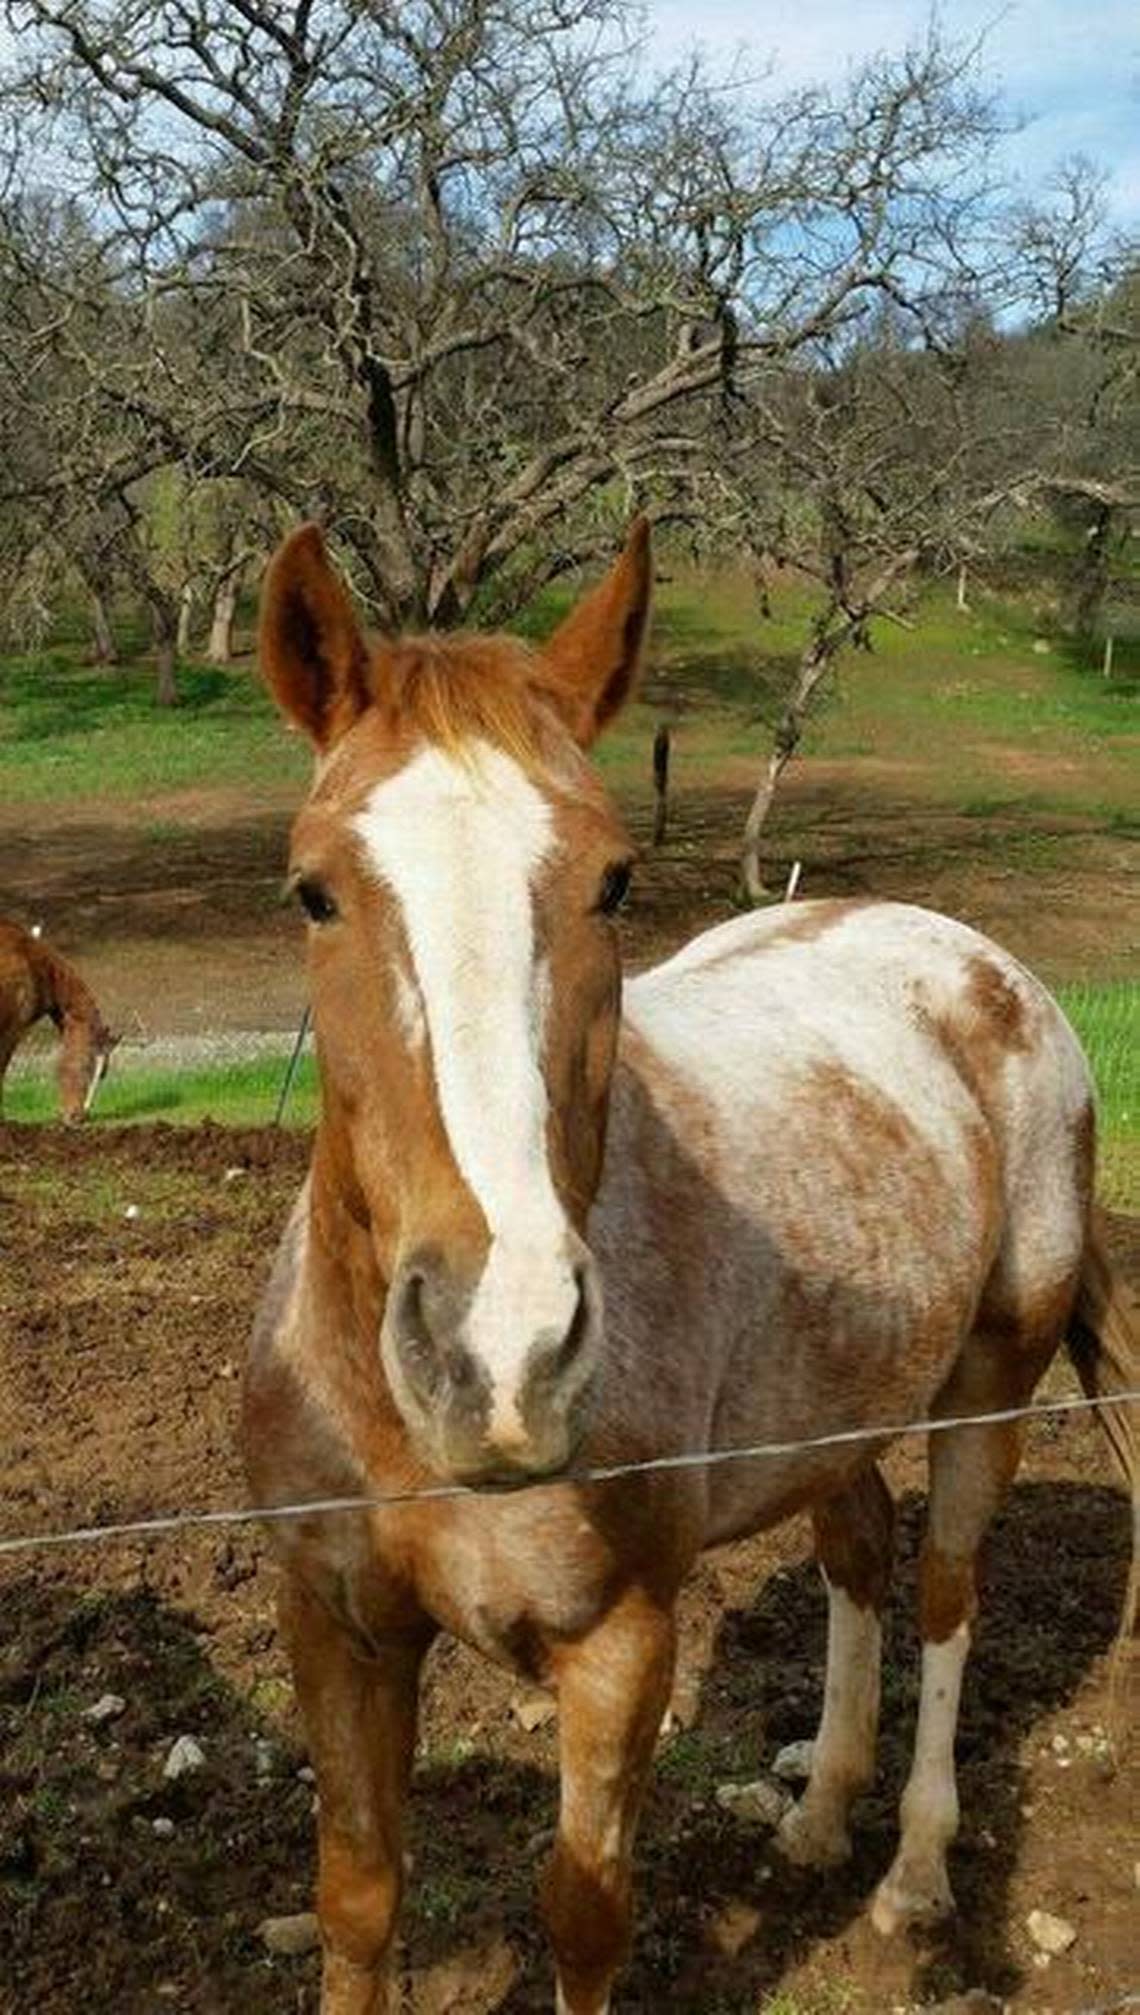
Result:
[[1069, 68]]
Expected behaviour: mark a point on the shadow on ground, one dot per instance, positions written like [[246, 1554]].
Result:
[[722, 1921]]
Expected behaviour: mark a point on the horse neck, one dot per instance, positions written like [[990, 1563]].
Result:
[[340, 1258], [340, 1308], [70, 1002]]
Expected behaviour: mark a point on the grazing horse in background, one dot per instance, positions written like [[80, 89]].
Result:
[[35, 981], [831, 1167]]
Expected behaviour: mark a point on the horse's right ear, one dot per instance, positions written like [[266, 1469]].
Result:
[[313, 656]]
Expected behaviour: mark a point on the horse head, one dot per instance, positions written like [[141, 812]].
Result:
[[459, 865]]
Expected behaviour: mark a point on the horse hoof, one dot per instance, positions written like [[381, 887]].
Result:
[[807, 1842], [903, 1903]]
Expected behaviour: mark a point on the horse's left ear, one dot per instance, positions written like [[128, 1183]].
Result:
[[594, 656], [313, 656]]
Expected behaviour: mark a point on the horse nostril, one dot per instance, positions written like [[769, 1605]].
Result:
[[413, 1336]]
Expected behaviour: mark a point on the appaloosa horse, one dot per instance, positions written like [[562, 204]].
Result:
[[35, 981], [846, 1180]]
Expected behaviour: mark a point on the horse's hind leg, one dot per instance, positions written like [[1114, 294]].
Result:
[[970, 1469], [613, 1688], [854, 1545]]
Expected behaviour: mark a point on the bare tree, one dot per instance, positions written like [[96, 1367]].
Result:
[[456, 279]]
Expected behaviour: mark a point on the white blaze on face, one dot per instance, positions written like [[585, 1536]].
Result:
[[459, 844]]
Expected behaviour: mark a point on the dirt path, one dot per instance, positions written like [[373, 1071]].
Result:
[[122, 1336]]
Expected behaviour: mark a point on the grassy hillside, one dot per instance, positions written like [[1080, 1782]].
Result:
[[963, 698]]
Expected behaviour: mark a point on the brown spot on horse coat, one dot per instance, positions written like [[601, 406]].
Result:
[[998, 1005]]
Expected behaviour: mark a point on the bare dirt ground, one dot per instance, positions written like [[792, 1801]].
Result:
[[122, 1336]]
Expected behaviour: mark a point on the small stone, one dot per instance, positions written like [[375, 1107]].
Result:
[[262, 1759], [227, 1369], [131, 1212], [235, 1173], [162, 1828], [793, 1763], [1050, 1934], [534, 1711], [1041, 648], [306, 1774], [1060, 1744], [290, 1937], [185, 1755], [759, 1804], [733, 1928], [976, 2002], [106, 1708]]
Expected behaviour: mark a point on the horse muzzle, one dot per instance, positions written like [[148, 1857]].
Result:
[[504, 1402]]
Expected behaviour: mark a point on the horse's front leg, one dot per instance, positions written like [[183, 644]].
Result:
[[613, 1688], [359, 1712]]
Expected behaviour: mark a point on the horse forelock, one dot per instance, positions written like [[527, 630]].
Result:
[[463, 691]]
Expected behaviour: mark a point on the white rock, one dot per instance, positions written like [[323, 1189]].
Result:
[[105, 1708], [185, 1754], [164, 1828], [263, 1759], [533, 1712], [1050, 1934], [131, 1212], [1041, 648], [290, 1937], [235, 1173], [793, 1763], [759, 1804]]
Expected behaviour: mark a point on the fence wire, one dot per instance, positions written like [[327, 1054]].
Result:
[[161, 1523]]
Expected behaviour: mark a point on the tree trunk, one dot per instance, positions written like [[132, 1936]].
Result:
[[963, 604], [185, 620], [104, 649], [220, 648], [840, 623], [814, 662], [165, 629], [1092, 575]]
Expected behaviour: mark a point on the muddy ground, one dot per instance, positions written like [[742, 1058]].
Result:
[[131, 1264]]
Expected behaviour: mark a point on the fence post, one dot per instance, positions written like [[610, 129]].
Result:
[[661, 752]]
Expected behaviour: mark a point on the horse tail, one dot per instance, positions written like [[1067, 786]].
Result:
[[1104, 1344]]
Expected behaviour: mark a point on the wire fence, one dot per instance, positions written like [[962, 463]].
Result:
[[181, 1521]]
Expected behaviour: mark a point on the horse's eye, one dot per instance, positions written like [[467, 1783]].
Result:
[[316, 901], [614, 889]]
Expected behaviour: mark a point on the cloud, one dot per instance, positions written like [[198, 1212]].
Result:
[[1070, 75]]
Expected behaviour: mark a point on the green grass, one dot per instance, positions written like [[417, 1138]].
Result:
[[233, 1094], [1105, 1015], [70, 731], [953, 695]]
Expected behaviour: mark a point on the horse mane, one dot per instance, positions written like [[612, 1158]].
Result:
[[462, 688]]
